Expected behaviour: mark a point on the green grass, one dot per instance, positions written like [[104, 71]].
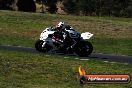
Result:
[[113, 46], [16, 41], [111, 35], [25, 70]]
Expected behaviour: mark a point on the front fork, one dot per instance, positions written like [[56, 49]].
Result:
[[43, 44], [72, 46]]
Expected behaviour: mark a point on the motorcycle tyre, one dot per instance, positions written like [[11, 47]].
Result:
[[83, 52]]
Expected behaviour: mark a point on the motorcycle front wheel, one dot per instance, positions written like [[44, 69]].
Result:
[[84, 49], [38, 46]]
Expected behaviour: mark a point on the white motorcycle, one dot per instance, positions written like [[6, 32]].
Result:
[[77, 42]]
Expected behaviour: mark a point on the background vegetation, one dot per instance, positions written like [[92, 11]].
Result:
[[118, 8], [100, 7]]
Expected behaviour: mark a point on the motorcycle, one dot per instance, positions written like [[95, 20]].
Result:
[[78, 44]]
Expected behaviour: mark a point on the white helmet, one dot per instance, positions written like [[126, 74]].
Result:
[[60, 26]]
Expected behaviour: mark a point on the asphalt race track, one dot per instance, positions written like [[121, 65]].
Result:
[[96, 56]]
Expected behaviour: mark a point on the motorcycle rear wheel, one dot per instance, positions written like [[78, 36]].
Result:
[[84, 49]]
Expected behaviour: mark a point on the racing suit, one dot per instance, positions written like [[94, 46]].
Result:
[[65, 38]]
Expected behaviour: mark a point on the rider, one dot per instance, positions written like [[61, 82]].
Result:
[[63, 35]]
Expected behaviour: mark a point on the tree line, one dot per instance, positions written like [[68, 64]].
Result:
[[20, 5], [118, 8]]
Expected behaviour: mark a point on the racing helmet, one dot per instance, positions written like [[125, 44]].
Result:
[[60, 26]]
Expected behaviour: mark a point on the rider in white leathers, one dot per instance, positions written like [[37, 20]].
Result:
[[64, 35]]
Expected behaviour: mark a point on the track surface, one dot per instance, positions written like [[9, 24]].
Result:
[[104, 57]]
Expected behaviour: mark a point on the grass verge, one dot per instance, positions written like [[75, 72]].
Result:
[[26, 70]]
